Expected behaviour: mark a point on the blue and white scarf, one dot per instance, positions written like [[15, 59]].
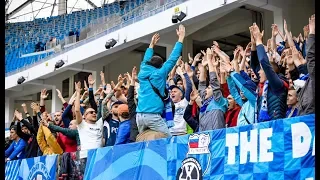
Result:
[[167, 114], [263, 113], [205, 104]]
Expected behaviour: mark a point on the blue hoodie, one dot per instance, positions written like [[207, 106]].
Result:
[[123, 135], [149, 101], [16, 150]]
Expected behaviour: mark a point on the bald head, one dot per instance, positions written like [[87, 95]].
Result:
[[73, 124]]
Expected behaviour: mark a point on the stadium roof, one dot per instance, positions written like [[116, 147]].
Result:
[[28, 10]]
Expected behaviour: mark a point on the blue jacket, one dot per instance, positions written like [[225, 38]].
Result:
[[278, 87], [149, 101], [246, 85], [16, 150], [123, 135]]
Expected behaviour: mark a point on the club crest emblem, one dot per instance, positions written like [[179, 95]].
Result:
[[198, 148]]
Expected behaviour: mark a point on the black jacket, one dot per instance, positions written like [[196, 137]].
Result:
[[132, 114]]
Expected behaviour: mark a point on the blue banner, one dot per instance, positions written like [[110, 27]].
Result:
[[43, 167], [281, 149], [12, 170]]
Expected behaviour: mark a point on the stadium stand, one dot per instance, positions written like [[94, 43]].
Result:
[[22, 37]]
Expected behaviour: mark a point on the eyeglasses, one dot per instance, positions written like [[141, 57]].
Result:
[[91, 112]]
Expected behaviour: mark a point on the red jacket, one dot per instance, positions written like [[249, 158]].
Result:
[[67, 144], [232, 116]]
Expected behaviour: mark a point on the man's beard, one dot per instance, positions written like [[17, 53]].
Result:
[[115, 114]]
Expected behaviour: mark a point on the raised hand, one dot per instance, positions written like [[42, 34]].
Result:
[[102, 78], [18, 115], [91, 81], [179, 62], [181, 32], [285, 27], [295, 53], [257, 34], [312, 26], [59, 93], [24, 107], [85, 85], [275, 30], [154, 40], [45, 122], [194, 95], [179, 71], [77, 86], [197, 57], [190, 59], [204, 62], [209, 54], [35, 107], [134, 73], [119, 84], [44, 94]]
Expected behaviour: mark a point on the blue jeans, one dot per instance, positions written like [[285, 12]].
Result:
[[152, 121]]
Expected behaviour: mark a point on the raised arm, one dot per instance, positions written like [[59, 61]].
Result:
[[202, 81], [310, 48], [61, 97], [175, 54], [77, 103], [43, 96], [274, 81], [131, 103], [92, 101], [66, 131], [234, 92]]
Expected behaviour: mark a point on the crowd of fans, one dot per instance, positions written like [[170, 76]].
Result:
[[172, 98]]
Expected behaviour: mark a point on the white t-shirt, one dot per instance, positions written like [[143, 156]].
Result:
[[90, 135], [180, 125]]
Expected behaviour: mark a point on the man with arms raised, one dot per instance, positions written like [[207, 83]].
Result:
[[152, 77], [89, 128]]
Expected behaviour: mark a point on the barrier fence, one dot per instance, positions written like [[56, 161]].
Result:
[[281, 149]]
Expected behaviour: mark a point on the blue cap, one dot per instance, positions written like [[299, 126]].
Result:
[[175, 86]]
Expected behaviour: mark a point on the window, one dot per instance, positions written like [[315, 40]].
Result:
[[65, 88]]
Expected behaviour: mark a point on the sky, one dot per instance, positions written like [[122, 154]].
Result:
[[43, 8]]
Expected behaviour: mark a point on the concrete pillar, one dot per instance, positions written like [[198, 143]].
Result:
[[278, 19], [71, 85], [96, 76], [62, 7], [9, 110], [56, 103], [168, 50]]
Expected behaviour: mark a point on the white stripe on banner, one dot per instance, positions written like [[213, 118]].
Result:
[[12, 170]]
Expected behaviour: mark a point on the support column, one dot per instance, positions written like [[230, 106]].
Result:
[[97, 76], [62, 7], [9, 110], [71, 86], [97, 83], [55, 103], [168, 50], [278, 19]]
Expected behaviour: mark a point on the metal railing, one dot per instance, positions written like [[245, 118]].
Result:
[[158, 6]]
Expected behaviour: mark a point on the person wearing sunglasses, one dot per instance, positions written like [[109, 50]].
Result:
[[89, 127]]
